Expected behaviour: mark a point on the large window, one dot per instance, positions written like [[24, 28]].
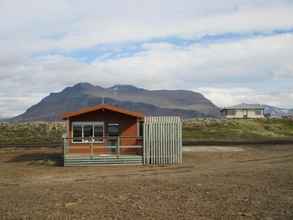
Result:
[[84, 132]]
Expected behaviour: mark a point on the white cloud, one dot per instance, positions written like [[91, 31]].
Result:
[[225, 97], [243, 61], [166, 66], [62, 24], [13, 105], [32, 27]]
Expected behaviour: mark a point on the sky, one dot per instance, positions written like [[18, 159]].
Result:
[[232, 51]]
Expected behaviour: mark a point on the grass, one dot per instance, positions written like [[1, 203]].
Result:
[[46, 134], [258, 129], [31, 133]]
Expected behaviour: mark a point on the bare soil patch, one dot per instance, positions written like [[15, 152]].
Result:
[[255, 183], [212, 149]]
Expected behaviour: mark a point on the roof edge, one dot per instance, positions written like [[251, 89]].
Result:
[[239, 108], [85, 110]]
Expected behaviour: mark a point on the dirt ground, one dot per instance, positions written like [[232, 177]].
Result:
[[254, 183]]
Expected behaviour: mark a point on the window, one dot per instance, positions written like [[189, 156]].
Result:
[[113, 129], [113, 133], [231, 112], [84, 132], [258, 112], [87, 132], [77, 133], [99, 132]]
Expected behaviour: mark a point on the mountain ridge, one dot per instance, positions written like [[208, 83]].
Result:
[[183, 103]]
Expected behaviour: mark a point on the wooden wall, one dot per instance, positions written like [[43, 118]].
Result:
[[128, 132]]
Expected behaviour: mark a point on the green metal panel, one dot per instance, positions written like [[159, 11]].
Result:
[[86, 160], [162, 140]]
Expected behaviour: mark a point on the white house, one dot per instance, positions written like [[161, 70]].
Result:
[[243, 111]]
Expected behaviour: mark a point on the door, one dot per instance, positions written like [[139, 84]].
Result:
[[113, 136]]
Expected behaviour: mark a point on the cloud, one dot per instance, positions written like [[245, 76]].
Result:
[[224, 97], [164, 65], [244, 61], [67, 25], [169, 44], [16, 104]]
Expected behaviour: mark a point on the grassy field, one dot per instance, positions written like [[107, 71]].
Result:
[[40, 133], [214, 129], [197, 129], [255, 183]]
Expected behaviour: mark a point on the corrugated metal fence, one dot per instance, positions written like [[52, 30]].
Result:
[[162, 140]]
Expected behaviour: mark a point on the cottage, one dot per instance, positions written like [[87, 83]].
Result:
[[105, 134], [243, 111]]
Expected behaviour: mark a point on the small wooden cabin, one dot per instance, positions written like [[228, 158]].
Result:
[[105, 134]]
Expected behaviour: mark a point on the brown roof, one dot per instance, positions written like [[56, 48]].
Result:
[[67, 115]]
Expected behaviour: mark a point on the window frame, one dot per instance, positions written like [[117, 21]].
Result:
[[102, 124], [82, 124], [72, 133], [113, 124]]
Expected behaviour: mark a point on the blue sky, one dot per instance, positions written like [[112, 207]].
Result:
[[231, 51], [129, 49]]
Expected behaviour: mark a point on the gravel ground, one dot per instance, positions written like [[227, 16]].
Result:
[[254, 183], [212, 149]]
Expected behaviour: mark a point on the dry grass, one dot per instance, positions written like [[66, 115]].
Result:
[[50, 134], [215, 129]]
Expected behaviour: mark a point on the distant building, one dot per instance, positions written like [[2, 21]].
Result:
[[288, 117], [243, 111]]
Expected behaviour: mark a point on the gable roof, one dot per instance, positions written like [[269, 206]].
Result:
[[67, 115]]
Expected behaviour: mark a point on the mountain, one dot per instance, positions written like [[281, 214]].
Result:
[[183, 103], [276, 111], [3, 120]]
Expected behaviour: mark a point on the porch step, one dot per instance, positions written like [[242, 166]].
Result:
[[101, 160]]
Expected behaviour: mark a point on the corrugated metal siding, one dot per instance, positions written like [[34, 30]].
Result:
[[162, 140]]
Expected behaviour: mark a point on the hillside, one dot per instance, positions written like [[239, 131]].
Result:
[[186, 104]]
